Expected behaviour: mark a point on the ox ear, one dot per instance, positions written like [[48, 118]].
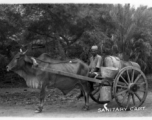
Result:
[[28, 59], [34, 61], [25, 52]]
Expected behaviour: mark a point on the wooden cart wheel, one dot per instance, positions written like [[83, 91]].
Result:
[[95, 94], [130, 87]]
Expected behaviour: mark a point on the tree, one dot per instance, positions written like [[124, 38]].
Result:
[[10, 23], [132, 32]]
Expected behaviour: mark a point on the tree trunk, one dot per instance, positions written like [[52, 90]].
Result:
[[61, 50]]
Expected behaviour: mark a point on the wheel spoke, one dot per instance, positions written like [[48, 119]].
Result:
[[94, 92], [121, 83], [132, 78], [137, 78], [133, 99], [122, 86], [124, 79], [128, 76], [137, 96], [140, 84], [128, 100], [121, 92], [141, 90], [124, 97]]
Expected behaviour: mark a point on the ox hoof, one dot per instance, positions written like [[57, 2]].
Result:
[[85, 108], [38, 110]]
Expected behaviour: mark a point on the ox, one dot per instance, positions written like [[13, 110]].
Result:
[[23, 65]]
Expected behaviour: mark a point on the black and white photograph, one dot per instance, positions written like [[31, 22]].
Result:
[[75, 59]]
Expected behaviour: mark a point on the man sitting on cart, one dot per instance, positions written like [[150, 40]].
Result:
[[95, 63]]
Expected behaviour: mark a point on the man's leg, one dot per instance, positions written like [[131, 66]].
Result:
[[91, 75]]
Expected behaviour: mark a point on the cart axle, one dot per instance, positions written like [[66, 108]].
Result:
[[132, 87]]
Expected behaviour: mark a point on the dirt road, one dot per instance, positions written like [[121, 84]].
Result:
[[21, 102]]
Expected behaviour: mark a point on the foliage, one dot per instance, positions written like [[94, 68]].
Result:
[[133, 33], [69, 30]]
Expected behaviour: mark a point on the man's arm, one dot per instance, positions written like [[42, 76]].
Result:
[[89, 63]]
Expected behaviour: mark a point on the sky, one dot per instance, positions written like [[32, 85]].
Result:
[[135, 3]]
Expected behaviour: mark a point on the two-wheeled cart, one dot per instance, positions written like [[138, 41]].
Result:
[[128, 86]]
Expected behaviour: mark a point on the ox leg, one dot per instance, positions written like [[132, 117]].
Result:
[[86, 92], [42, 96]]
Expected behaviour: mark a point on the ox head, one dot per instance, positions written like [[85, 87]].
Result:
[[19, 60]]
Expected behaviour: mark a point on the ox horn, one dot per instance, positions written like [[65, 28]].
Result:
[[21, 50], [34, 61]]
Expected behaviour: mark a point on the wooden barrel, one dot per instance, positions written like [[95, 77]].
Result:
[[108, 72], [105, 93]]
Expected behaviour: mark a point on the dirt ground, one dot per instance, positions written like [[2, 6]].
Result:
[[22, 102]]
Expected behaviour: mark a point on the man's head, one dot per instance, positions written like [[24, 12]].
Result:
[[94, 50]]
